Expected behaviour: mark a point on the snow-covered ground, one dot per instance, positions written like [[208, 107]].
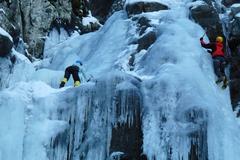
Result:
[[177, 83]]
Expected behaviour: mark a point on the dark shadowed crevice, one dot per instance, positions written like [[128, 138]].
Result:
[[22, 19], [100, 9]]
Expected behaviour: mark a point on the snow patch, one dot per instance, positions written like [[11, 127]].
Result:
[[88, 20], [3, 32]]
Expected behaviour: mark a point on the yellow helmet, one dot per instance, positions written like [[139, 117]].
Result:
[[219, 39]]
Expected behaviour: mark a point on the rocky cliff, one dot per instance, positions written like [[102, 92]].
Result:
[[33, 20]]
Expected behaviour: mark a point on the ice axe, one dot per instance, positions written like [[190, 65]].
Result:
[[204, 33]]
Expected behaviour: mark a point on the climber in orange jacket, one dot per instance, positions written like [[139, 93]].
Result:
[[217, 52]]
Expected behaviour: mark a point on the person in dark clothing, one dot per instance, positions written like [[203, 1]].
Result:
[[73, 70], [216, 50]]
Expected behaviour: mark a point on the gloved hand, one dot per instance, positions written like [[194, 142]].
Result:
[[80, 12], [201, 38]]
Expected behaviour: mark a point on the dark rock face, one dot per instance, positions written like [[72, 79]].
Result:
[[133, 138], [235, 84], [80, 7], [10, 17], [100, 8], [146, 41], [234, 46], [207, 16], [199, 149], [34, 19], [117, 6], [146, 37], [234, 26], [5, 46], [139, 7], [230, 2], [143, 23]]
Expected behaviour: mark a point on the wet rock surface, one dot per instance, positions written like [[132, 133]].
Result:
[[146, 41], [5, 46], [33, 19], [230, 2], [101, 8], [234, 48], [139, 7]]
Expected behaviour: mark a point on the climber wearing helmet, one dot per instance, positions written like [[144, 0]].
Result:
[[216, 50], [73, 70]]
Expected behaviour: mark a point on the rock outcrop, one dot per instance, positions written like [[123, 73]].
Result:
[[234, 26], [146, 37], [37, 17], [234, 46], [100, 9], [10, 15], [33, 19], [230, 2], [139, 7], [5, 45], [103, 9], [146, 32], [206, 15]]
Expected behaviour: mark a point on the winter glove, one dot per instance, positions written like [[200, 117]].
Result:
[[201, 39]]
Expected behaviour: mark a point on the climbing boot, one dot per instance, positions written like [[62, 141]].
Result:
[[225, 82], [76, 83], [219, 80], [62, 84]]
